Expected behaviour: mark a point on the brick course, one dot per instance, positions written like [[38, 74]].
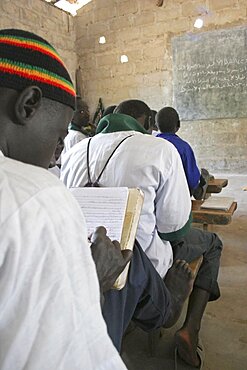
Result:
[[143, 31]]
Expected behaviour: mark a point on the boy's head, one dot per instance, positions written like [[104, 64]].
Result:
[[81, 115], [167, 120], [136, 109], [37, 97], [153, 121], [110, 109]]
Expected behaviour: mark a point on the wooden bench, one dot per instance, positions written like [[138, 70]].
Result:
[[154, 335], [216, 185], [211, 216]]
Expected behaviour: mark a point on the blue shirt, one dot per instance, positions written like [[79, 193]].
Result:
[[188, 158]]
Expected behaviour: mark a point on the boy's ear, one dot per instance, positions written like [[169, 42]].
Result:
[[147, 123], [27, 104]]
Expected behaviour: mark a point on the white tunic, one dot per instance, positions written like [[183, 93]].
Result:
[[55, 171], [73, 137], [50, 316], [143, 161]]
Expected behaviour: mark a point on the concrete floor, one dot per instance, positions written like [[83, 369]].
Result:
[[224, 327]]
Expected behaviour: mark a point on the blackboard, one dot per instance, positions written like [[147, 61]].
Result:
[[210, 74]]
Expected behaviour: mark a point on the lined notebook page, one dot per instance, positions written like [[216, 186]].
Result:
[[103, 207]]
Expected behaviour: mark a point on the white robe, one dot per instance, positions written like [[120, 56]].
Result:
[[143, 161], [50, 315], [72, 138]]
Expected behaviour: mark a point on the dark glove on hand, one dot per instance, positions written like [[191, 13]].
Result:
[[110, 261]]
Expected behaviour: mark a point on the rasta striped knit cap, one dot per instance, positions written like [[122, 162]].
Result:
[[26, 59]]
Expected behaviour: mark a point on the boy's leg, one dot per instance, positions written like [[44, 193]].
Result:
[[146, 299], [195, 244]]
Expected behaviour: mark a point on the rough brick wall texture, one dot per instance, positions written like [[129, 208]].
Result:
[[46, 21], [143, 31]]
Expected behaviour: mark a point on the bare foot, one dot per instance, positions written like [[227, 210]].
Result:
[[186, 343], [179, 281]]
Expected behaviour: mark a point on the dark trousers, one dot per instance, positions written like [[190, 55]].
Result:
[[144, 299], [198, 243]]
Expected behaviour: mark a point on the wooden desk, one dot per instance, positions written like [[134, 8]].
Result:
[[216, 185], [211, 216]]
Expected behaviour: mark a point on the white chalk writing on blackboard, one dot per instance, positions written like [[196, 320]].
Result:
[[210, 74], [203, 76]]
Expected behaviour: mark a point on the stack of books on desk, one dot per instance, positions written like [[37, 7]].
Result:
[[220, 203]]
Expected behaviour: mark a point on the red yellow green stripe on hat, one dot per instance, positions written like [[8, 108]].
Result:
[[28, 59], [31, 44], [36, 74]]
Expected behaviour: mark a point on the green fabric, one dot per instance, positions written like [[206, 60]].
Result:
[[176, 235], [115, 122], [74, 127]]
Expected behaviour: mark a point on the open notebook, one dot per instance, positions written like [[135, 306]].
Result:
[[221, 203], [117, 209]]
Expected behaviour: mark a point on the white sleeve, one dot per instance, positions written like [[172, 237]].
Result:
[[50, 307], [173, 203]]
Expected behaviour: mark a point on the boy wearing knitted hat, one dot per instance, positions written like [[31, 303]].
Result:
[[49, 289]]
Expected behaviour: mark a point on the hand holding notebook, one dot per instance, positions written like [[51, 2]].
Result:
[[118, 210], [109, 259]]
